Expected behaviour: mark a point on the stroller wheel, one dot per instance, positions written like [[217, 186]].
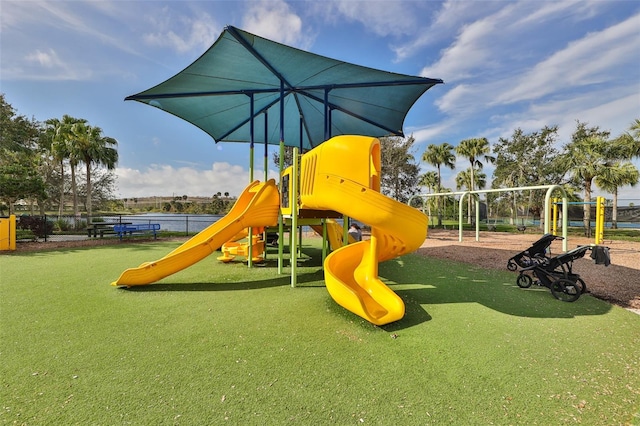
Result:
[[579, 283], [582, 285], [565, 290], [524, 281], [511, 265]]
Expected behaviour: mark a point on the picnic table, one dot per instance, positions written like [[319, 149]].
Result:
[[101, 228], [123, 229]]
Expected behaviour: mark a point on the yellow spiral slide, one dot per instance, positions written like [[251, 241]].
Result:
[[258, 205], [343, 174]]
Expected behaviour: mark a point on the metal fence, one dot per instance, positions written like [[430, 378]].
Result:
[[51, 227]]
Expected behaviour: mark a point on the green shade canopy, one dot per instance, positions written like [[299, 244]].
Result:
[[244, 82]]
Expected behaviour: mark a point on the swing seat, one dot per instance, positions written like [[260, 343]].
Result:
[[522, 228]]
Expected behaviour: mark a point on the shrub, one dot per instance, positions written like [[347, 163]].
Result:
[[61, 225], [39, 225]]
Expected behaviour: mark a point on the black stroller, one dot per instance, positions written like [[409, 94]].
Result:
[[556, 273], [537, 252]]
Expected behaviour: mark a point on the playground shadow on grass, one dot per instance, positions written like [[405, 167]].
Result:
[[311, 258], [420, 282], [282, 281], [424, 282]]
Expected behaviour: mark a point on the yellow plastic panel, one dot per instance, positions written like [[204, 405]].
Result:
[[343, 174], [8, 233], [285, 192]]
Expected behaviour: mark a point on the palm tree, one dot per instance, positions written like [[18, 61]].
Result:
[[58, 154], [438, 156], [430, 180], [473, 150], [61, 137], [466, 179], [634, 142], [91, 147], [619, 174], [587, 159]]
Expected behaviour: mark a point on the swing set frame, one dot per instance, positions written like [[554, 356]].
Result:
[[547, 211]]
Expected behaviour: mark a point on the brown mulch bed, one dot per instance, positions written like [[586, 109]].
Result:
[[618, 283]]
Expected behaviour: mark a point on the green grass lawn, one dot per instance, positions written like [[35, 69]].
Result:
[[218, 343]]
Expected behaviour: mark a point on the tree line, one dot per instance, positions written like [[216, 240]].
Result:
[[45, 161], [40, 163], [524, 159], [64, 161]]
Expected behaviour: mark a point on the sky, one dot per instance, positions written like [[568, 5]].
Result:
[[505, 64]]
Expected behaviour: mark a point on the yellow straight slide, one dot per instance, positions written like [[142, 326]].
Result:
[[258, 205], [343, 174]]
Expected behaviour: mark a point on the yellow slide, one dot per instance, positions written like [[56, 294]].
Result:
[[258, 205], [343, 174], [335, 234]]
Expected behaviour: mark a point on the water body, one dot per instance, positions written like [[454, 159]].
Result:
[[191, 224], [188, 223]]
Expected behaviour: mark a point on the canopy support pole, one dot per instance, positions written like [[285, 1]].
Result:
[[251, 152], [266, 174], [293, 255], [266, 148], [280, 219], [327, 114]]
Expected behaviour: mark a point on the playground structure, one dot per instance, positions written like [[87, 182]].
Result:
[[341, 176], [8, 233], [301, 100]]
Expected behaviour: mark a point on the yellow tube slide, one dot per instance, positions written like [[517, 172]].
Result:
[[343, 174], [258, 205]]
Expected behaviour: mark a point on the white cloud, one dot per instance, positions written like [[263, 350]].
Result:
[[431, 134], [593, 78], [48, 59], [166, 180], [274, 20], [460, 98], [384, 18], [464, 57], [77, 18], [587, 61], [452, 16], [181, 33], [497, 35], [46, 64]]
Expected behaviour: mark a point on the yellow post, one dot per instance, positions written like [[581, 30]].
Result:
[[8, 233], [4, 234], [554, 215], [12, 232], [599, 220]]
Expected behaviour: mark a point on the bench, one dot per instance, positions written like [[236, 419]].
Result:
[[93, 229], [146, 228]]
